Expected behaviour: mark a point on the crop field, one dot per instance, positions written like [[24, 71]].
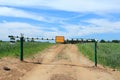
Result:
[[108, 53], [13, 50]]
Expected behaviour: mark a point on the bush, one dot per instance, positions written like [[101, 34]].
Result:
[[115, 41], [0, 40], [102, 41]]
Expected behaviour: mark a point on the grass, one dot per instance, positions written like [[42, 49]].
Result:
[[30, 48], [108, 53]]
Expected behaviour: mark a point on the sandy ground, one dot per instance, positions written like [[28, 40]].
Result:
[[17, 68], [60, 62]]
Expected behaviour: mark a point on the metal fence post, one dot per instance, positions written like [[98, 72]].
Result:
[[21, 48], [95, 54]]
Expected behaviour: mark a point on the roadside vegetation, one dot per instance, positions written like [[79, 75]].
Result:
[[30, 48], [108, 53]]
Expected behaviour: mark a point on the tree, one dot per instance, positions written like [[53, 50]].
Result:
[[108, 41], [0, 40], [115, 41], [102, 41], [32, 40], [17, 40]]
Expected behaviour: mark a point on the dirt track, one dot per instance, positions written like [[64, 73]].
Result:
[[64, 62]]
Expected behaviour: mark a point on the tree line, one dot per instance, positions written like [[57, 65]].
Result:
[[112, 41], [72, 41]]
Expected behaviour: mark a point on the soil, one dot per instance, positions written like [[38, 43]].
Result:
[[59, 62]]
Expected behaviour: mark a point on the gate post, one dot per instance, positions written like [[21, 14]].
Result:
[[21, 48], [95, 54]]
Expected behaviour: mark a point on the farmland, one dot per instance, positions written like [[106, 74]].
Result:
[[58, 62], [108, 53], [13, 50]]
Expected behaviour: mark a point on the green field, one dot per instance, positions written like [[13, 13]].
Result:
[[13, 50], [108, 53]]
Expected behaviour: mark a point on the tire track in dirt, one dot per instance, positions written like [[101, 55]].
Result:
[[51, 54], [64, 62]]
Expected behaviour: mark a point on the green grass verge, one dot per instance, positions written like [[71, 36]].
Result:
[[108, 53], [30, 48]]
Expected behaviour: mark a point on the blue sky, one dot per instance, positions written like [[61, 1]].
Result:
[[98, 19]]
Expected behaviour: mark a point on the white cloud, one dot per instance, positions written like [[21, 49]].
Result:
[[105, 24], [96, 6], [95, 26], [15, 28], [12, 12]]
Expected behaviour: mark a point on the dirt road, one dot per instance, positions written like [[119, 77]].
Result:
[[64, 62]]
